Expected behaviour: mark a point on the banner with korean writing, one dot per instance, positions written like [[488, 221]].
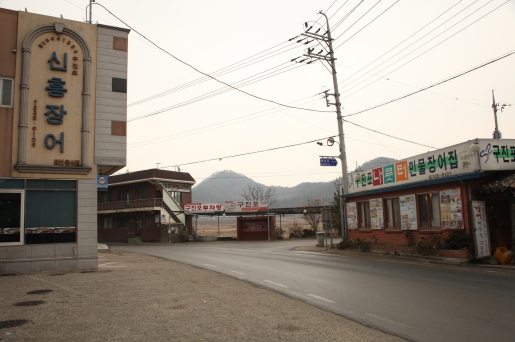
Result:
[[439, 164], [245, 206], [408, 212], [352, 216], [376, 213], [481, 242], [451, 209], [203, 208], [497, 154]]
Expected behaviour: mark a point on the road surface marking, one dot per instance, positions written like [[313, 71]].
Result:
[[322, 298], [107, 263], [271, 282], [210, 265], [238, 272], [387, 320]]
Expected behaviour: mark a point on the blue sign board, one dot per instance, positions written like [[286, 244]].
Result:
[[102, 182], [328, 162]]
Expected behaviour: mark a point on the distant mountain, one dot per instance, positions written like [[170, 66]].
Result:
[[228, 185]]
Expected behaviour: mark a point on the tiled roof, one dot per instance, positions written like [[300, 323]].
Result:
[[151, 173], [506, 183]]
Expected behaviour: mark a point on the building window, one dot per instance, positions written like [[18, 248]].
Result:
[[119, 85], [105, 197], [11, 217], [428, 210], [393, 213], [141, 193], [123, 222], [108, 222], [6, 92], [364, 214], [123, 195]]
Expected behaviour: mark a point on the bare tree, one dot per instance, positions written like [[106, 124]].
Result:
[[255, 192], [312, 215]]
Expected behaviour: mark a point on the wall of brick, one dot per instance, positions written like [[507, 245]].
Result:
[[398, 237]]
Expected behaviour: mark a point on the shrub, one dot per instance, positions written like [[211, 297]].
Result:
[[429, 246], [295, 229], [344, 244], [308, 233], [362, 245], [457, 239]]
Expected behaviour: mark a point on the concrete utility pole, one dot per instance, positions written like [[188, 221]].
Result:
[[332, 62]]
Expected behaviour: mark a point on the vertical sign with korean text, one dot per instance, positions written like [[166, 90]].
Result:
[[481, 242], [55, 99]]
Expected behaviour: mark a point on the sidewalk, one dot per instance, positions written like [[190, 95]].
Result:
[[134, 297], [376, 255]]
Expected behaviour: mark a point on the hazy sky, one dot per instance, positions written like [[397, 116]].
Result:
[[212, 35]]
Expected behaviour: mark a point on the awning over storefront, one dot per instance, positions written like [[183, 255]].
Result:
[[503, 184]]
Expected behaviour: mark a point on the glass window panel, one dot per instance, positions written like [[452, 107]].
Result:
[[10, 217], [389, 213], [51, 184], [50, 209], [12, 184], [7, 86], [435, 211], [423, 210], [396, 212]]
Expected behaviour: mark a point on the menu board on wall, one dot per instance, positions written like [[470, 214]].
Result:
[[482, 245], [451, 208], [408, 212], [376, 213], [352, 216]]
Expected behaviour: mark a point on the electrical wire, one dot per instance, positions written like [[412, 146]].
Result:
[[401, 42], [231, 68], [411, 60], [385, 134], [347, 15], [249, 153], [365, 25], [435, 84], [218, 92], [348, 28], [203, 73]]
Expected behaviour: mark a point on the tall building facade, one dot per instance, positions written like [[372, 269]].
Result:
[[63, 118]]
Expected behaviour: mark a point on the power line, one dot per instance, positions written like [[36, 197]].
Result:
[[221, 91], [347, 15], [435, 84], [219, 72], [366, 24], [388, 135], [405, 41], [423, 45], [203, 73], [249, 153], [348, 28]]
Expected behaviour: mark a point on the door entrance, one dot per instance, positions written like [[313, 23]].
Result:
[[499, 224]]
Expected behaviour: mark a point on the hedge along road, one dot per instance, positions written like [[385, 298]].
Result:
[[419, 301]]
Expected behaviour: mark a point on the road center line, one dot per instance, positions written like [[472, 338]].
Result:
[[271, 282], [322, 298], [387, 320], [237, 272], [210, 265]]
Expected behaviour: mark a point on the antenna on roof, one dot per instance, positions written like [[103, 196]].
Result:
[[157, 165]]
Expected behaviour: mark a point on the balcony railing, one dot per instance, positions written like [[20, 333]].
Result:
[[132, 204]]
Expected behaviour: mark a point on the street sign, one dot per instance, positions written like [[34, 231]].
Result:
[[328, 162], [102, 183]]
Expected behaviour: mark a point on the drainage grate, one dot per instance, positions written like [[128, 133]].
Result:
[[13, 323], [39, 291], [30, 303]]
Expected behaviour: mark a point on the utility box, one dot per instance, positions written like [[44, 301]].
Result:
[[320, 239]]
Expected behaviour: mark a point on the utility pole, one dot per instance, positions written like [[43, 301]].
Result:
[[497, 133], [329, 57]]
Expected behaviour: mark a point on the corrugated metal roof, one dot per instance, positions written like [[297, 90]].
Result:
[[151, 173], [506, 183]]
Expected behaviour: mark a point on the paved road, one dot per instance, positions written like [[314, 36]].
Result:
[[417, 301]]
